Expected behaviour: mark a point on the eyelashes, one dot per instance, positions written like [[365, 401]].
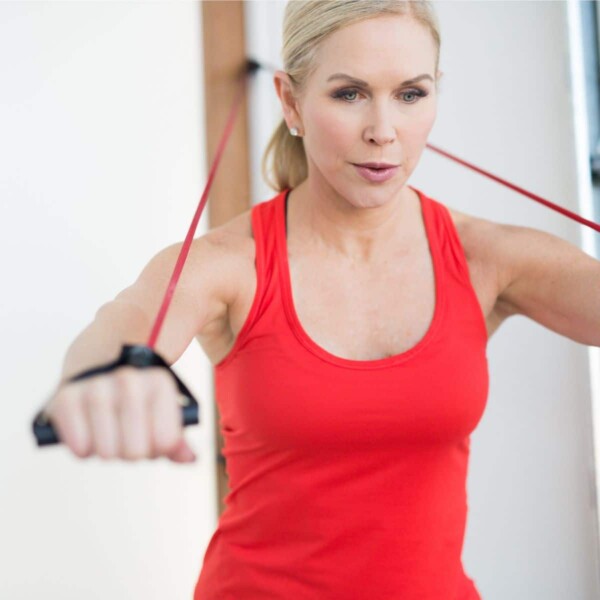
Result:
[[342, 94]]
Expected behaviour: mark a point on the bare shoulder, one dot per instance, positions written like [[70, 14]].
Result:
[[219, 271], [540, 276], [519, 265], [476, 234], [231, 246], [482, 241], [498, 247]]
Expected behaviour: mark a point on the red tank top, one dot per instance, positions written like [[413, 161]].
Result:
[[347, 477]]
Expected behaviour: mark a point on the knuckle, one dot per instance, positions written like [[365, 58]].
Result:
[[56, 411], [60, 403], [126, 380], [165, 382], [96, 397], [55, 403], [132, 403], [155, 374]]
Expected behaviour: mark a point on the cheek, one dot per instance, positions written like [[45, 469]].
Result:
[[414, 139], [415, 132], [419, 121], [330, 127], [420, 124]]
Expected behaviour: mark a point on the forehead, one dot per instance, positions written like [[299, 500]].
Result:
[[392, 42]]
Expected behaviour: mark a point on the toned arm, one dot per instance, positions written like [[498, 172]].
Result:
[[548, 280], [201, 299]]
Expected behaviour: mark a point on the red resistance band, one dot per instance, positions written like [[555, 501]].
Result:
[[251, 67], [144, 356]]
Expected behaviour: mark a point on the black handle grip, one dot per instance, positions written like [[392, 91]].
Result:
[[136, 356]]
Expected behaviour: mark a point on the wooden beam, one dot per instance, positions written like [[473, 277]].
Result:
[[224, 55]]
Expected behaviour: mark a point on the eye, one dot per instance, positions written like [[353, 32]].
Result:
[[343, 94], [415, 92]]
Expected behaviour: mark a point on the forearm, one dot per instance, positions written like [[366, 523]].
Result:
[[116, 323]]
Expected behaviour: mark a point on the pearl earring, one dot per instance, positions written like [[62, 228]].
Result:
[[294, 131]]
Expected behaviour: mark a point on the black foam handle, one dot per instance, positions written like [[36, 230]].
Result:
[[133, 355]]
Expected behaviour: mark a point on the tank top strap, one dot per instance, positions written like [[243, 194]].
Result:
[[263, 223], [449, 243], [459, 287]]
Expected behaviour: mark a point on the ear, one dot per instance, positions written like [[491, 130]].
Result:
[[289, 103]]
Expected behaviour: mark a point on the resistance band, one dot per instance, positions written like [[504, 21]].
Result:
[[143, 356]]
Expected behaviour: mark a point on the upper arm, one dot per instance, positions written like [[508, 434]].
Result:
[[548, 280], [201, 296]]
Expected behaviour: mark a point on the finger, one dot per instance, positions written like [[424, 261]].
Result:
[[165, 416], [132, 412], [68, 418], [99, 403], [182, 453]]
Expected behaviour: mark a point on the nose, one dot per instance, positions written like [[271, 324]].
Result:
[[380, 129]]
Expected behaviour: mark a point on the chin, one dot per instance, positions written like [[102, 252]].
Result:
[[365, 196], [369, 199]]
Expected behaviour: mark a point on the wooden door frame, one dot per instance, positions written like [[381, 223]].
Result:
[[224, 51]]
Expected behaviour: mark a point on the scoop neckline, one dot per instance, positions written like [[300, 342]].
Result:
[[296, 325]]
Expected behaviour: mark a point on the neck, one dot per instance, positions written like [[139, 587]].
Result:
[[333, 226]]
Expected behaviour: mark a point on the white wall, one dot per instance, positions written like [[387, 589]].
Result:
[[506, 105], [101, 165]]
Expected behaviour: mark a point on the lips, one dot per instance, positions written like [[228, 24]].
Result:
[[376, 165], [376, 174]]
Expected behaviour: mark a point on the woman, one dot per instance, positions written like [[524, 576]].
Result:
[[347, 318]]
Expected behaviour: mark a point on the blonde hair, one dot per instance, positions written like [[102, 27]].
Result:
[[305, 24]]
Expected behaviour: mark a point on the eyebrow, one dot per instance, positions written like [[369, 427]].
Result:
[[362, 83]]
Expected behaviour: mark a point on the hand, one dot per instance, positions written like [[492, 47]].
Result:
[[128, 413]]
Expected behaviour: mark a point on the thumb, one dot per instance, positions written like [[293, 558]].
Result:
[[182, 453]]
